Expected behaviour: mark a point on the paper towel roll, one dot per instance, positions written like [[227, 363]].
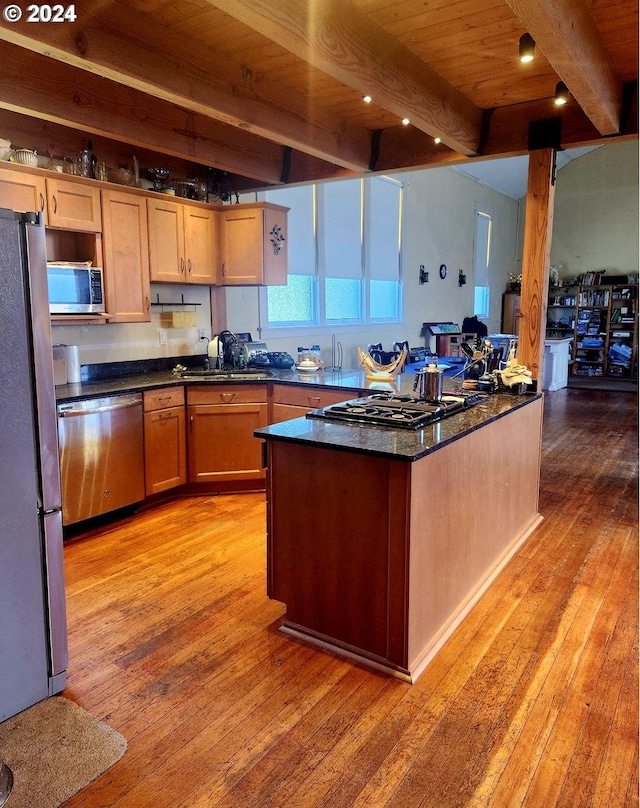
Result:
[[74, 373]]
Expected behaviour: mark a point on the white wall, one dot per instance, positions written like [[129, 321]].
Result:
[[595, 224], [439, 209], [120, 342]]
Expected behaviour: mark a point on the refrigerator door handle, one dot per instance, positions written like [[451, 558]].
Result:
[[55, 595], [48, 511]]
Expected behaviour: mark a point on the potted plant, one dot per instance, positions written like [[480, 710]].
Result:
[[515, 282]]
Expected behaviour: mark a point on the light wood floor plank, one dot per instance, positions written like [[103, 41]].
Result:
[[532, 702]]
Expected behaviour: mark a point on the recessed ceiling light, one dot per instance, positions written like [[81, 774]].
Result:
[[366, 99], [437, 140], [405, 121], [526, 48]]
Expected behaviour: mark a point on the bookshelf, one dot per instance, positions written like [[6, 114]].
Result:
[[603, 321]]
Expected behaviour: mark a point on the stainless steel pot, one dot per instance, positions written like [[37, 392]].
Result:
[[428, 383]]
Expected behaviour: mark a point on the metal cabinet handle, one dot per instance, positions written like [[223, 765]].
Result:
[[41, 202], [55, 203], [147, 303], [223, 270], [191, 423], [227, 396], [182, 265], [189, 266], [313, 399]]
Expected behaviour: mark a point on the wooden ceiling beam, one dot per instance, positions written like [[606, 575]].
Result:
[[81, 100], [174, 68], [341, 40], [567, 35]]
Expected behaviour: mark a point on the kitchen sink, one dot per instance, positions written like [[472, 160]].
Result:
[[213, 375]]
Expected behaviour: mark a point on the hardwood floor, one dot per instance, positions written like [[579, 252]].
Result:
[[533, 701]]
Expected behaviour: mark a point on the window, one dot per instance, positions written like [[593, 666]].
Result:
[[384, 241], [295, 303], [482, 263], [340, 249], [344, 243]]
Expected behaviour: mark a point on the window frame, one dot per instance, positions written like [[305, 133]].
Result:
[[321, 324], [486, 212]]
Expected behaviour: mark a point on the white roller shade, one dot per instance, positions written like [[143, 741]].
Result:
[[340, 228], [383, 215], [300, 227]]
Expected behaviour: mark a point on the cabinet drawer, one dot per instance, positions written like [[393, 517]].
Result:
[[227, 394], [312, 397], [163, 398]]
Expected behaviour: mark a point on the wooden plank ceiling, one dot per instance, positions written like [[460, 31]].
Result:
[[272, 90]]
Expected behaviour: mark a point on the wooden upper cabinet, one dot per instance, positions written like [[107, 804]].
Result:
[[126, 257], [254, 245], [182, 242], [73, 206], [22, 192], [201, 247], [166, 240]]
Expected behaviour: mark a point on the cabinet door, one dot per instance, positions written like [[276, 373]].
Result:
[[510, 313], [221, 442], [165, 454], [200, 234], [166, 241], [242, 254], [22, 192], [275, 246], [126, 257], [73, 206]]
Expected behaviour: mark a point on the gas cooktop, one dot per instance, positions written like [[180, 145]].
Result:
[[398, 411]]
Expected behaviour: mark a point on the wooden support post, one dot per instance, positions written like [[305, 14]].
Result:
[[535, 259]]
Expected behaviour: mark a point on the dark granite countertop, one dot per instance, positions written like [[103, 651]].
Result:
[[397, 444], [381, 441], [148, 380]]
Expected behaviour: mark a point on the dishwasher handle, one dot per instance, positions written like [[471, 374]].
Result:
[[104, 408]]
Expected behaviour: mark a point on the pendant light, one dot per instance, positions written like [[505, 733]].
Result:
[[561, 95]]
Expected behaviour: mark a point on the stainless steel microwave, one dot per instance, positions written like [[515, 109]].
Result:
[[75, 289]]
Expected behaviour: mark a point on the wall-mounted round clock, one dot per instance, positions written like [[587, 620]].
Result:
[[443, 271]]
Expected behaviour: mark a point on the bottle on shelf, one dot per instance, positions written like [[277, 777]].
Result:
[[88, 161]]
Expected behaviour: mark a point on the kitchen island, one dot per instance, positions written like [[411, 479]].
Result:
[[381, 540]]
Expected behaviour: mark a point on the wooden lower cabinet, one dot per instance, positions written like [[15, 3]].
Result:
[[165, 453], [288, 401], [222, 420]]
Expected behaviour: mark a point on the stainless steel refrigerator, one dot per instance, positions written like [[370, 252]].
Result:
[[33, 628]]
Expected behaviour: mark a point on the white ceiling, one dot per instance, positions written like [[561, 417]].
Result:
[[509, 176]]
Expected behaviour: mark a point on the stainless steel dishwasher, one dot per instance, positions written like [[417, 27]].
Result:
[[101, 455]]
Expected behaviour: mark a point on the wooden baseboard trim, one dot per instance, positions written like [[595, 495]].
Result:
[[345, 650]]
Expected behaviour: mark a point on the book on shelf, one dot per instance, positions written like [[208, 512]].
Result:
[[592, 278]]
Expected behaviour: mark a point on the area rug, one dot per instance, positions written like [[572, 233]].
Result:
[[55, 749]]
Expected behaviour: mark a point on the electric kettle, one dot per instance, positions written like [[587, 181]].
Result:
[[215, 352]]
